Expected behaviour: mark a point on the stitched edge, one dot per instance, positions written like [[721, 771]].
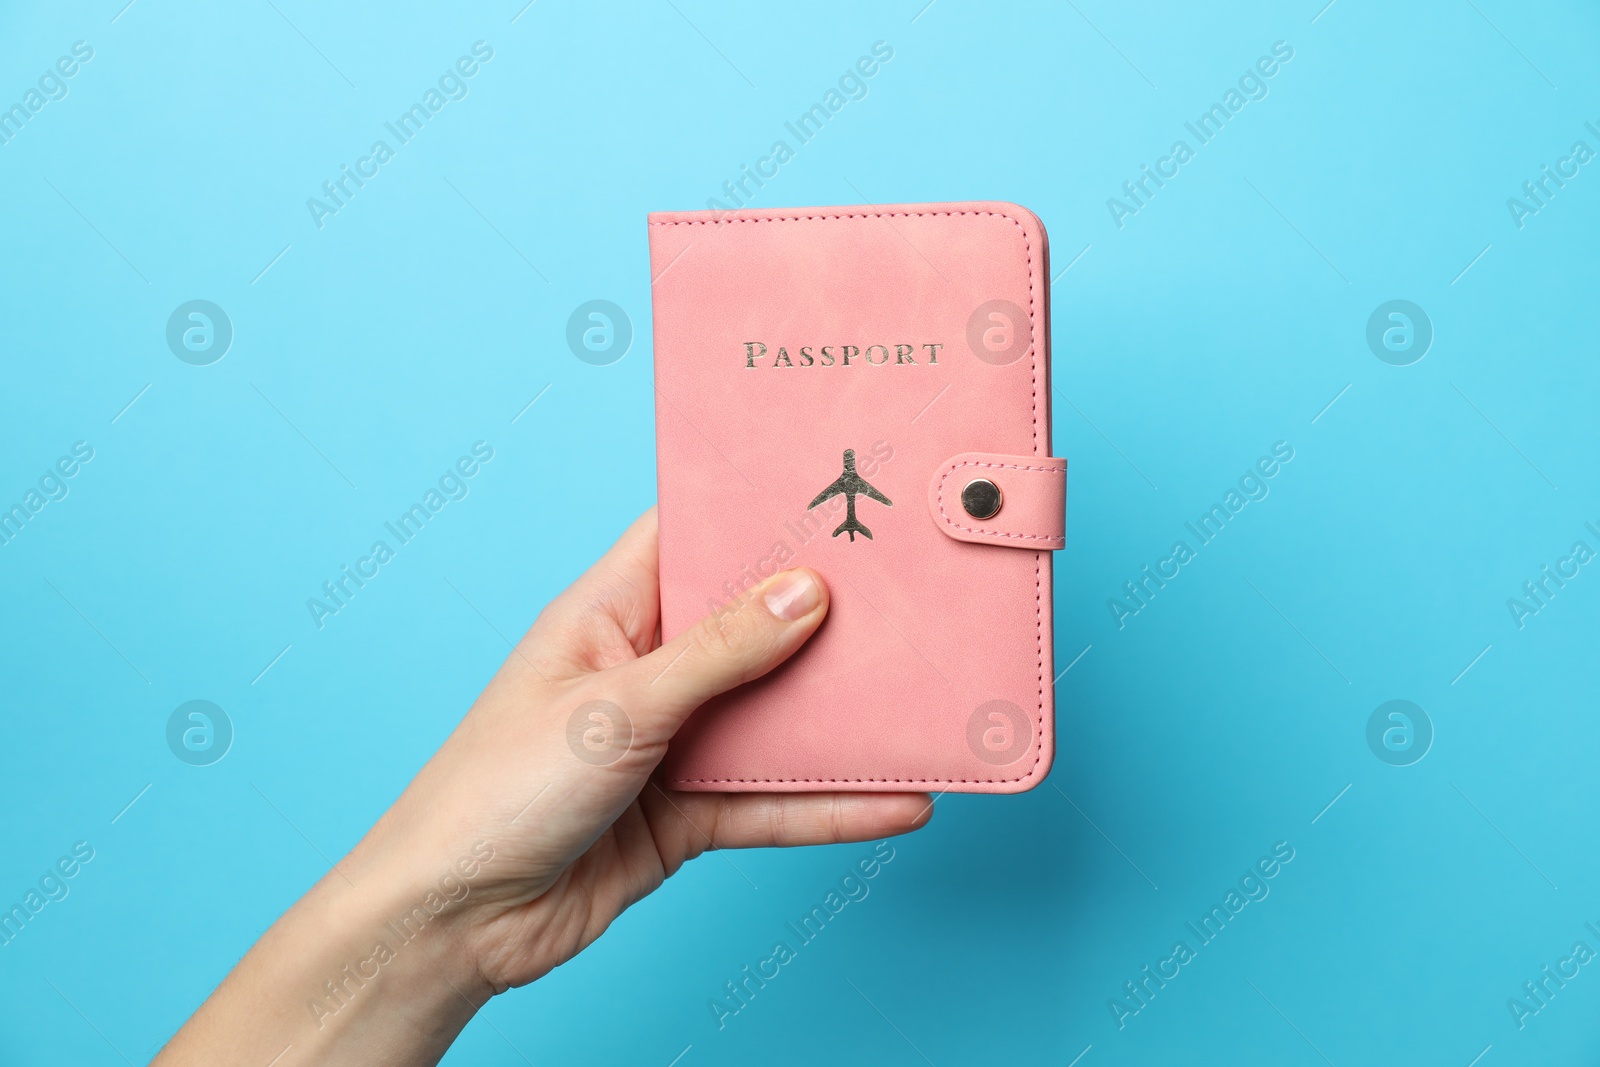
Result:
[[1038, 563], [844, 781], [851, 215], [996, 466]]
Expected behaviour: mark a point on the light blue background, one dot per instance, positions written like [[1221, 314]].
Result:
[[1223, 317]]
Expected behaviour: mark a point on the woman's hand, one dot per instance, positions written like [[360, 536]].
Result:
[[532, 828], [551, 768]]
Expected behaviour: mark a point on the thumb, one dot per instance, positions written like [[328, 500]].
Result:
[[740, 642]]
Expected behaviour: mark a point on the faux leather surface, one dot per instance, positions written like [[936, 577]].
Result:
[[933, 669], [1033, 500]]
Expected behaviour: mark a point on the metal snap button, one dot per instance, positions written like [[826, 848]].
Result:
[[981, 498]]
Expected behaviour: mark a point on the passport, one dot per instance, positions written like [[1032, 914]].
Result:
[[864, 391]]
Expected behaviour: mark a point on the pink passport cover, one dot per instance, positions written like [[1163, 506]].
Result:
[[933, 669]]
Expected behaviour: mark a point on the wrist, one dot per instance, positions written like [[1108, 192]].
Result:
[[353, 974], [389, 941], [413, 896], [381, 964]]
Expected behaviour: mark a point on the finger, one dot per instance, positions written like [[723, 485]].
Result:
[[759, 631], [687, 824], [621, 587]]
